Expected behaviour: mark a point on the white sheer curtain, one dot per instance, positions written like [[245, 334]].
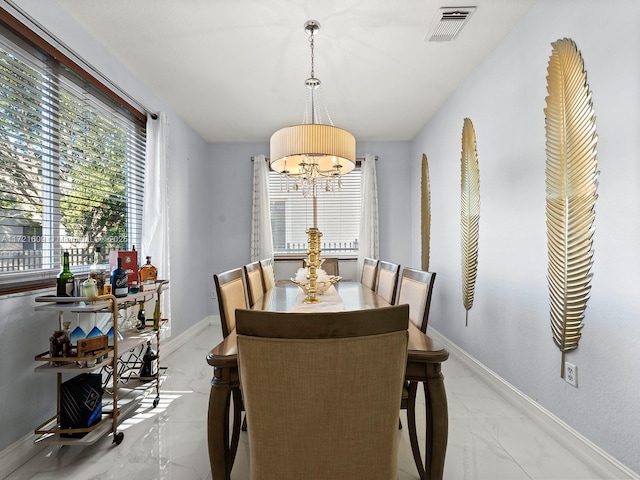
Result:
[[155, 217], [368, 246], [261, 239]]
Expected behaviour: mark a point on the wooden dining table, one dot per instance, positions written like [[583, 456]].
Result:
[[424, 360]]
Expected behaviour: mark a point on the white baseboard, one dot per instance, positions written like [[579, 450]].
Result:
[[20, 452], [588, 452], [172, 343]]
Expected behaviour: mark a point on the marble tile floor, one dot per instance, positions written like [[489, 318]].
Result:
[[488, 437]]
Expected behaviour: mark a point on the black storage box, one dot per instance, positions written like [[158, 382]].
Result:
[[80, 403]]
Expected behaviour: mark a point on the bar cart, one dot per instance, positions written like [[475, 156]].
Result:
[[101, 356]]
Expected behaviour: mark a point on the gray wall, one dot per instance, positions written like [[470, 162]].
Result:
[[509, 326], [394, 197]]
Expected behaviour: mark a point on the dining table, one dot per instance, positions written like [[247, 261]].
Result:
[[424, 360]]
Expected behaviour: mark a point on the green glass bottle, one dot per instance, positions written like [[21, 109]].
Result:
[[64, 283], [156, 315]]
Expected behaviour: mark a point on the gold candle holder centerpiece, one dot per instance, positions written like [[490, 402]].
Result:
[[313, 263]]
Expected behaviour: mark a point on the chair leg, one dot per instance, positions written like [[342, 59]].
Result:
[[413, 435], [235, 435], [405, 387], [244, 423]]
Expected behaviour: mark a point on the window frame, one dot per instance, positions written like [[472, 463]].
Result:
[[19, 281], [343, 254]]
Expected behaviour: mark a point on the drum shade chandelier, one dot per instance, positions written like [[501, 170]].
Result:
[[313, 154]]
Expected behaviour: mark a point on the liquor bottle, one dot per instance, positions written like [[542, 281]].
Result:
[[96, 271], [142, 320], [148, 273], [120, 280], [149, 363], [64, 283]]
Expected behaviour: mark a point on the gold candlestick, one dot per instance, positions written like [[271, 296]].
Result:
[[313, 263]]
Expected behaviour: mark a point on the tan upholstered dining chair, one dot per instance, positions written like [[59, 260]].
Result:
[[322, 392], [387, 282], [416, 288], [330, 266], [369, 273], [268, 273], [255, 283], [231, 293]]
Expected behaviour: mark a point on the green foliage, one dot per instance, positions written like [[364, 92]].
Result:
[[72, 157]]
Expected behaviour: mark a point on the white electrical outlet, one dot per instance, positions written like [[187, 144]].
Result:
[[571, 374], [213, 294]]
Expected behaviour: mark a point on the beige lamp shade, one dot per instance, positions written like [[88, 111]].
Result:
[[332, 150]]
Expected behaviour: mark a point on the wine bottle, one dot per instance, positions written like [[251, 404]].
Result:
[[149, 363], [148, 273], [64, 283], [142, 320], [120, 280]]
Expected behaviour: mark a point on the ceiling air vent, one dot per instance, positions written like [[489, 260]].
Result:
[[448, 22]]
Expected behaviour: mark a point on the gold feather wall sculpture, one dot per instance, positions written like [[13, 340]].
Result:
[[425, 209], [571, 184], [470, 214]]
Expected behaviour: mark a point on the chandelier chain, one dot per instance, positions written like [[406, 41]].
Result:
[[311, 46]]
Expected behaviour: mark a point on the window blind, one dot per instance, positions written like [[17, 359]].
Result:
[[338, 216], [71, 164]]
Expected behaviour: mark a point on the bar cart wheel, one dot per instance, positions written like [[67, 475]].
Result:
[[118, 437]]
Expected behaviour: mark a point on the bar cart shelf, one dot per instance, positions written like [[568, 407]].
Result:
[[118, 363]]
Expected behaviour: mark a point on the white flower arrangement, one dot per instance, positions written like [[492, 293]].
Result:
[[323, 281], [302, 276]]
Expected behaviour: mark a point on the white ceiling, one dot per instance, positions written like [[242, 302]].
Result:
[[235, 69]]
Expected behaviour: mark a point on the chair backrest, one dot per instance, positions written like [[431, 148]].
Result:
[[369, 273], [330, 266], [387, 283], [231, 293], [416, 288], [322, 392], [268, 273], [255, 284]]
